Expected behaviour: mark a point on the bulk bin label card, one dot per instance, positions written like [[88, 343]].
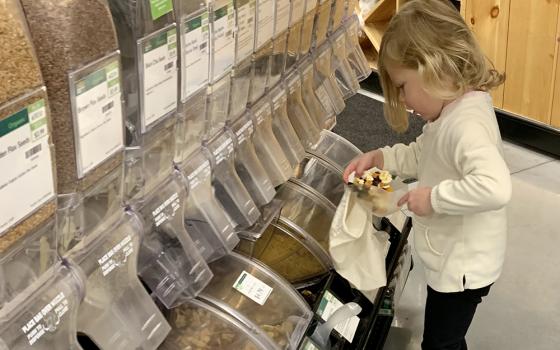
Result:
[[26, 179]]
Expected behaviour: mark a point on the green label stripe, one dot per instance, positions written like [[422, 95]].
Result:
[[194, 23], [160, 8], [221, 12], [38, 124], [240, 281], [14, 122], [36, 106], [112, 66], [172, 45], [91, 81], [156, 42], [113, 82]]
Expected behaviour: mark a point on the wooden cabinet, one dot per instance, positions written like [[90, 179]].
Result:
[[489, 19], [520, 37]]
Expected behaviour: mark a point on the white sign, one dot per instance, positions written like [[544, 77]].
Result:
[[223, 46], [98, 116], [245, 30], [282, 16], [253, 288], [265, 21], [195, 55], [329, 304], [26, 163], [159, 80]]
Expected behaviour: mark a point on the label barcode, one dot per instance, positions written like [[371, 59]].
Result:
[[168, 66], [228, 33], [30, 153], [203, 46], [107, 107], [39, 133]]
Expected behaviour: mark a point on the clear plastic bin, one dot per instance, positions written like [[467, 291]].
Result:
[[268, 149], [278, 59], [44, 316], [259, 297], [291, 253], [338, 10], [248, 165], [25, 262], [117, 312], [260, 71], [240, 88], [80, 214], [28, 172], [322, 111], [335, 149], [169, 263], [344, 75], [194, 43], [191, 126], [150, 89], [228, 187], [307, 27], [147, 165], [294, 33], [304, 209], [246, 23], [197, 326], [217, 108], [222, 43], [283, 129], [356, 57], [322, 20], [206, 220], [326, 87], [322, 177], [305, 126], [76, 45]]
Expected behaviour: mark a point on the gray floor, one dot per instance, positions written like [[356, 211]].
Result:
[[523, 308]]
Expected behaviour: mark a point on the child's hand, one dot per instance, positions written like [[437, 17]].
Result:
[[419, 201], [364, 162]]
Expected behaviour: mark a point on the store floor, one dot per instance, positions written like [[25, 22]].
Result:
[[523, 308]]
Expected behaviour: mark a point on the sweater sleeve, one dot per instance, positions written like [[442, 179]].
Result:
[[485, 184], [403, 159]]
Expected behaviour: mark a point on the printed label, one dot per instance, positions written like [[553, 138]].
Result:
[[340, 42], [252, 287], [117, 256], [282, 16], [329, 304], [195, 55], [98, 116], [245, 131], [26, 163], [223, 151], [202, 172], [46, 320], [262, 112], [323, 96], [245, 30], [159, 84], [307, 69], [166, 210], [160, 8], [298, 8], [265, 21], [279, 100], [223, 49], [294, 83]]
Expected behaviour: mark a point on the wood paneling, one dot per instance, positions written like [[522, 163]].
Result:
[[488, 19], [531, 58]]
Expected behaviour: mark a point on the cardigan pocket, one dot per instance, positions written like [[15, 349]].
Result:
[[429, 253]]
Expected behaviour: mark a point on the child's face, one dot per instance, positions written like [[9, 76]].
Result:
[[412, 94]]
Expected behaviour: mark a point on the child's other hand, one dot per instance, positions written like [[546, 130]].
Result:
[[364, 162], [419, 201]]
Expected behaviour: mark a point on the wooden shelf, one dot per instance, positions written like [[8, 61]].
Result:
[[382, 11], [374, 31]]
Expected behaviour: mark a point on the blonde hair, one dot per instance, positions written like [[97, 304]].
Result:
[[431, 37]]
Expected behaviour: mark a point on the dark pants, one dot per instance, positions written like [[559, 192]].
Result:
[[448, 317]]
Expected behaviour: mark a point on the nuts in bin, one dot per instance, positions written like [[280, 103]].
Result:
[[370, 180]]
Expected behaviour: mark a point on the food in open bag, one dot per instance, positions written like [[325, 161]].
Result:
[[380, 189]]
